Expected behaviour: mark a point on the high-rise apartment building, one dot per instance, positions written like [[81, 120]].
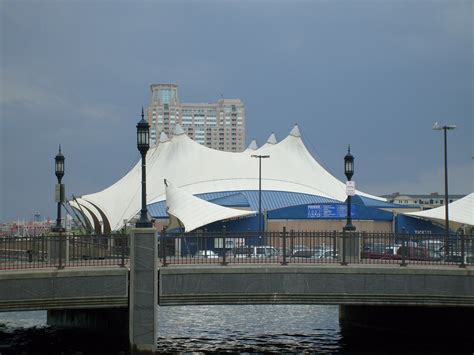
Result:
[[219, 125]]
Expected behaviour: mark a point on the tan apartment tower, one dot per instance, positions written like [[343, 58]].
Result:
[[219, 125]]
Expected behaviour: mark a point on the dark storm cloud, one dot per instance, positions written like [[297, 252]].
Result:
[[372, 74]]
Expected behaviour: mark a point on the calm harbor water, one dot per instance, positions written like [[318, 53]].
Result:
[[231, 329]]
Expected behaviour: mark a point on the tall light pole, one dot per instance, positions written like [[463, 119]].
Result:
[[445, 128], [59, 171], [349, 171], [143, 144], [260, 157]]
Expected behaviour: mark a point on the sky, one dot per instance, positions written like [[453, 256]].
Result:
[[372, 74]]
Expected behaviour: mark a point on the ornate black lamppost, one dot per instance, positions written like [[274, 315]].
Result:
[[349, 171], [260, 157], [350, 189], [59, 170], [143, 144]]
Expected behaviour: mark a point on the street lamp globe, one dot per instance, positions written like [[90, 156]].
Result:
[[59, 171], [59, 165], [349, 164], [143, 135]]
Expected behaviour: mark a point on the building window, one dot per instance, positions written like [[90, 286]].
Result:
[[165, 96]]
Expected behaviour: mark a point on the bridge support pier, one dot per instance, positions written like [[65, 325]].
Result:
[[143, 290], [420, 319]]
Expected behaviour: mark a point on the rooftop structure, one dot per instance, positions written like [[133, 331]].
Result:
[[424, 201]]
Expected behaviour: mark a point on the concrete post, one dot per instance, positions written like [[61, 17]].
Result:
[[143, 290], [58, 248], [349, 247], [354, 247]]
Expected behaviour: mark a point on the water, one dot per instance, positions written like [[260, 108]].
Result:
[[234, 329], [249, 328]]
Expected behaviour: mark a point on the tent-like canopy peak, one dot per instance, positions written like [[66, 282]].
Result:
[[272, 139], [253, 145], [295, 132], [178, 130], [163, 137]]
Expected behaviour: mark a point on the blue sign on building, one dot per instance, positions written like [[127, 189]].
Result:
[[329, 211]]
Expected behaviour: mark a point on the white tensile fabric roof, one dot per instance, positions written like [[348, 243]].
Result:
[[461, 212], [194, 212], [197, 169]]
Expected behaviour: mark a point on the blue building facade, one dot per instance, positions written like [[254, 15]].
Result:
[[281, 205]]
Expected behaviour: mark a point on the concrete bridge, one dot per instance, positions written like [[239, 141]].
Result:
[[127, 297], [91, 288]]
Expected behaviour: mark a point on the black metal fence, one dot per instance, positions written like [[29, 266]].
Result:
[[303, 247], [63, 251], [229, 247]]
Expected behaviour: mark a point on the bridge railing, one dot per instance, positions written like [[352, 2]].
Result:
[[313, 247], [248, 247], [229, 247], [65, 250], [426, 249]]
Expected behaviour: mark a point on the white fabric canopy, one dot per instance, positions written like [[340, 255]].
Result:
[[461, 212], [194, 212], [197, 169]]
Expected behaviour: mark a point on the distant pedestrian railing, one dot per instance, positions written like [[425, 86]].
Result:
[[317, 247], [65, 250]]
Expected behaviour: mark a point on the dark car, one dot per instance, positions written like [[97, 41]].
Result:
[[304, 254]]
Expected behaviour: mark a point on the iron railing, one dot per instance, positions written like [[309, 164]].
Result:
[[230, 247], [63, 250], [304, 247], [226, 247]]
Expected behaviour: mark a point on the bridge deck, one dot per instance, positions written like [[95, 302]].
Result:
[[107, 287], [317, 284]]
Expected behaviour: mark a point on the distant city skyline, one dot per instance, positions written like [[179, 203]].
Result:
[[375, 75]]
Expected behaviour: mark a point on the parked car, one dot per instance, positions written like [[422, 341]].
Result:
[[304, 254], [299, 248], [328, 254], [379, 251], [209, 254], [414, 253], [456, 257], [254, 251], [435, 245]]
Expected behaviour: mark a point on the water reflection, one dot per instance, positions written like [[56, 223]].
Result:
[[298, 329], [249, 328]]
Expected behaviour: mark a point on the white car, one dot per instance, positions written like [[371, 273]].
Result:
[[210, 254], [255, 251]]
